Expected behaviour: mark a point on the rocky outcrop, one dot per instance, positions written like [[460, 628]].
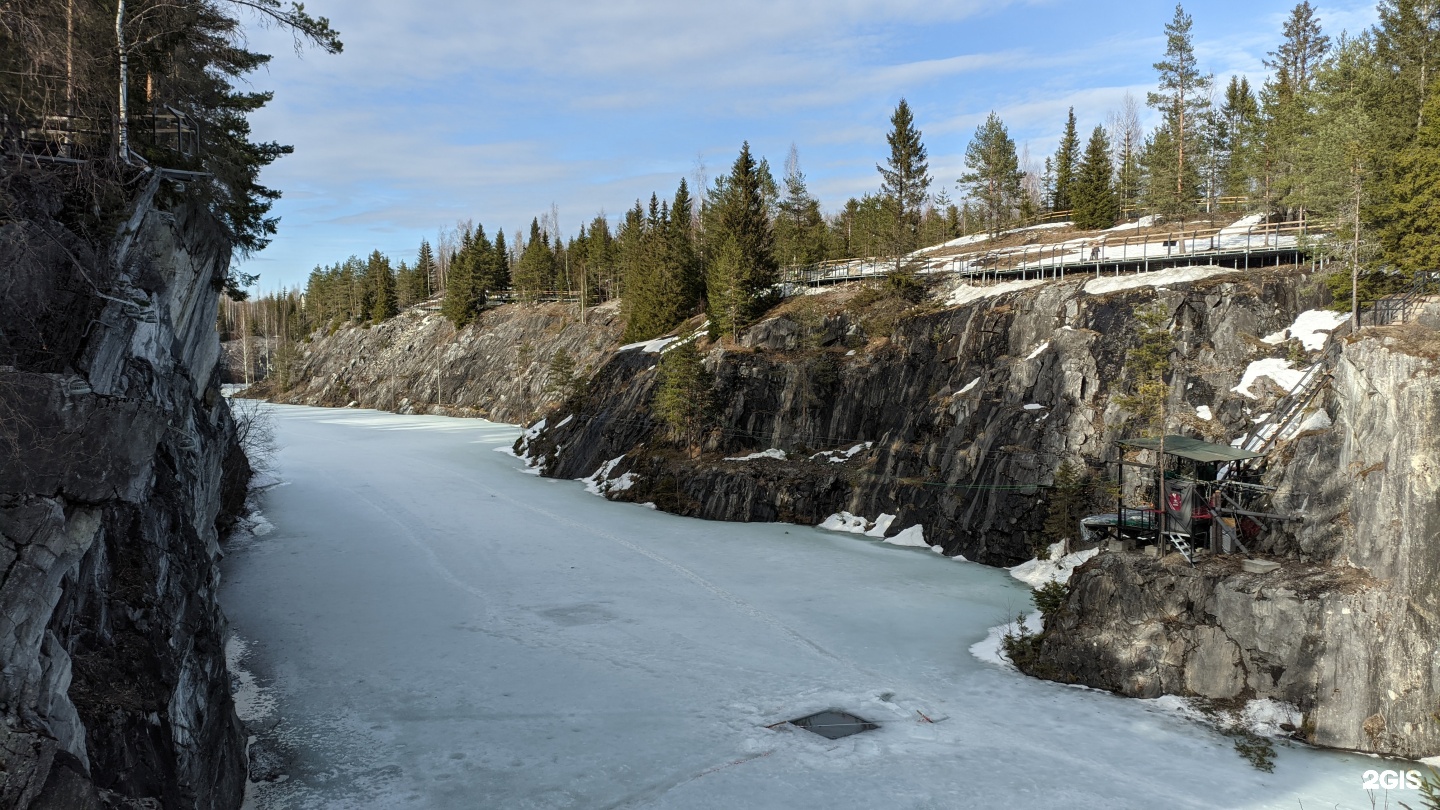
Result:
[[120, 470], [498, 367], [1348, 630], [967, 409]]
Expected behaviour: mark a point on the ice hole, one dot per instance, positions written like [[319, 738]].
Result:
[[834, 724]]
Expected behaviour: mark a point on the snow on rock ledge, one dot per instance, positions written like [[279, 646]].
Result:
[[1036, 573]]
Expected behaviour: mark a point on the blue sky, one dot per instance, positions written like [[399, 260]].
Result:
[[493, 111]]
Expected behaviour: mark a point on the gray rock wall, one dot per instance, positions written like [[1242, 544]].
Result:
[[1347, 630], [497, 367], [120, 469], [970, 408]]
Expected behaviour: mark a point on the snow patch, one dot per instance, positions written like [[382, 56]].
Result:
[[1174, 275], [966, 293], [970, 386], [771, 453], [991, 649], [1203, 411], [913, 537], [1319, 420], [597, 483], [1034, 406], [1038, 351], [882, 525], [1273, 367], [1036, 573], [655, 346], [1311, 327], [567, 420], [844, 522], [842, 456]]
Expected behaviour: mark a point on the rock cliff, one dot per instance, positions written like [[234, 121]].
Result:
[[498, 367], [1347, 629], [952, 415], [120, 471]]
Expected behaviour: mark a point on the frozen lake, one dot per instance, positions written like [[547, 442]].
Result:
[[429, 627]]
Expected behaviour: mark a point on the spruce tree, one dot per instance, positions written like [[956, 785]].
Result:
[[1067, 159], [1096, 205], [425, 271], [742, 272], [1410, 233], [905, 180], [502, 263], [383, 303], [459, 304], [1407, 42], [994, 176], [682, 255], [1182, 101], [1239, 132], [683, 397]]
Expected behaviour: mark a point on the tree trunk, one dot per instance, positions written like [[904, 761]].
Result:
[[124, 80]]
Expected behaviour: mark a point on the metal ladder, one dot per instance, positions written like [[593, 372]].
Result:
[[1181, 542]]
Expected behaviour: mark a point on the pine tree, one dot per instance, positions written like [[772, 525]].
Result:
[[404, 284], [1302, 50], [1166, 192], [799, 227], [742, 272], [1067, 158], [383, 303], [994, 176], [1096, 205], [1182, 101], [535, 272], [905, 180]]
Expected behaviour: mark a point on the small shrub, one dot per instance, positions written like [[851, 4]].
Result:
[[1050, 599], [1258, 750]]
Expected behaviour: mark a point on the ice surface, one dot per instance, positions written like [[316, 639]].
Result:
[[427, 629]]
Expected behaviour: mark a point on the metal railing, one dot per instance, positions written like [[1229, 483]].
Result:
[[1104, 251]]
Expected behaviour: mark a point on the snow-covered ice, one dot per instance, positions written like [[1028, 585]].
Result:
[[426, 629]]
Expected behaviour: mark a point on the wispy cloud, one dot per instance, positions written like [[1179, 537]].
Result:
[[450, 110]]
